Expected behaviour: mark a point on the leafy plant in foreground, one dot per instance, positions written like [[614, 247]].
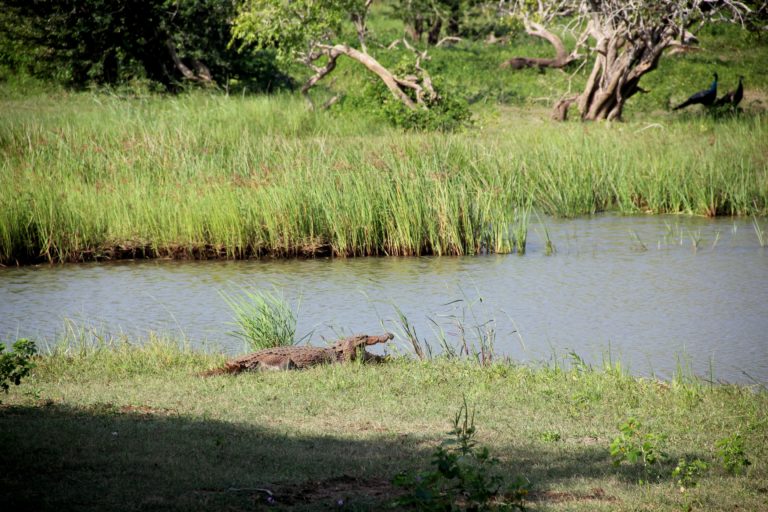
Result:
[[463, 478], [550, 436], [687, 474], [731, 451], [17, 364], [632, 446]]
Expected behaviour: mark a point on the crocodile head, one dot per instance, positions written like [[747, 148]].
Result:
[[348, 347]]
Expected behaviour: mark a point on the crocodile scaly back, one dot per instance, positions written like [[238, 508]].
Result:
[[288, 358]]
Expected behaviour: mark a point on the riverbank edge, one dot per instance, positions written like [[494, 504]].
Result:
[[128, 251]]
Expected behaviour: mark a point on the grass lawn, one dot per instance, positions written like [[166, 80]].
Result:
[[126, 428]]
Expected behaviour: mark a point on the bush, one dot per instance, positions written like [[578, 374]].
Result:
[[448, 111], [113, 42], [17, 364], [732, 453]]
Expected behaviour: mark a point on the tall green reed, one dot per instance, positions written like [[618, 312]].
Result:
[[94, 177], [759, 232], [471, 333], [264, 319]]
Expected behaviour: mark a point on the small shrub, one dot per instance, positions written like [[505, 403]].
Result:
[[687, 474], [632, 446], [17, 364], [448, 111], [463, 478], [731, 451]]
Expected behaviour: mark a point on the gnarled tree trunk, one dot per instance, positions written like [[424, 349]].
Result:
[[615, 77], [629, 39]]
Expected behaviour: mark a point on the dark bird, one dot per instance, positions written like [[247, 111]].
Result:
[[706, 97], [733, 98]]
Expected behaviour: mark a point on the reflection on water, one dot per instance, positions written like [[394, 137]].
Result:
[[657, 290]]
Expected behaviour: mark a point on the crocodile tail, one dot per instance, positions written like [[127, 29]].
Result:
[[213, 372]]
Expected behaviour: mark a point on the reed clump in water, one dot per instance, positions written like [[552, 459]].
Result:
[[90, 177], [263, 319]]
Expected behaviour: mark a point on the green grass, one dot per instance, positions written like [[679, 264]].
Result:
[[118, 427], [87, 176]]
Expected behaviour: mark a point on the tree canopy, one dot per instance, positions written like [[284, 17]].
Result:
[[168, 42], [312, 33]]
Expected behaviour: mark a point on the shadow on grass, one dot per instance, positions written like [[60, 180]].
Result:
[[125, 458]]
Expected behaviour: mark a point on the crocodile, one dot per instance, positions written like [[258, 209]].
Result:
[[291, 358]]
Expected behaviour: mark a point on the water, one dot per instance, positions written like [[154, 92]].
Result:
[[655, 292]]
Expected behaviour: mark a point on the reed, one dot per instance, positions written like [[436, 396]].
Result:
[[264, 319], [86, 177], [759, 232]]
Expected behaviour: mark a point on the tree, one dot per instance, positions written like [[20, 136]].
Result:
[[628, 39], [312, 33], [420, 17], [453, 18], [169, 42]]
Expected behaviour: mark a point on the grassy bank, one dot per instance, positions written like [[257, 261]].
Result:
[[125, 428], [91, 176]]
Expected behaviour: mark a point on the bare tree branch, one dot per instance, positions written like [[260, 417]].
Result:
[[534, 23], [201, 74]]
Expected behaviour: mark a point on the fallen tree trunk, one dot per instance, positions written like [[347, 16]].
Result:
[[562, 57]]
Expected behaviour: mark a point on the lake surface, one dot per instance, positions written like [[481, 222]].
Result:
[[655, 292]]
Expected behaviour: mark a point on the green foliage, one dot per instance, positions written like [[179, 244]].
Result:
[[292, 27], [265, 319], [83, 42], [445, 113], [463, 18], [464, 477], [632, 446], [550, 436], [731, 452], [17, 364], [480, 19], [448, 111], [687, 474]]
